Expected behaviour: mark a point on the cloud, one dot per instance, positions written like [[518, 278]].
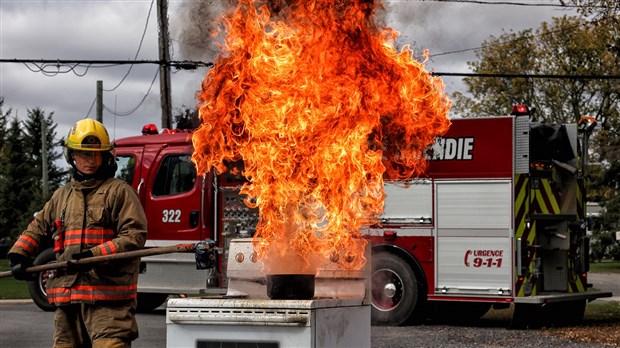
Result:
[[112, 30]]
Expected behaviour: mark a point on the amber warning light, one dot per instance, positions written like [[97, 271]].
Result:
[[320, 105]]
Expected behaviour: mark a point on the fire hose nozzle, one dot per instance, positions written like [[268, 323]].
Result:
[[205, 252]]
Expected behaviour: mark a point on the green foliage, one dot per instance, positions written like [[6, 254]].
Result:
[[21, 169]]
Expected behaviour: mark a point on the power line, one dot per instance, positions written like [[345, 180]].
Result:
[[135, 108], [531, 76], [66, 66], [509, 3], [91, 107], [91, 63], [194, 64], [146, 25], [515, 40]]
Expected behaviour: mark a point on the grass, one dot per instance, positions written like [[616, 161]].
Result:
[[11, 288], [605, 267], [602, 311]]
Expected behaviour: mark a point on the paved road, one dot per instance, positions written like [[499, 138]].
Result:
[[22, 324]]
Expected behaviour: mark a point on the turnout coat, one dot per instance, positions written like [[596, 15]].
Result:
[[103, 216]]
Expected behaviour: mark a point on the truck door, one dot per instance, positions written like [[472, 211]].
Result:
[[173, 202]]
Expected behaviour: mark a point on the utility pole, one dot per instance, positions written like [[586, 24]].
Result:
[[100, 101], [164, 67], [44, 176]]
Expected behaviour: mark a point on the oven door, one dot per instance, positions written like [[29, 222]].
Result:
[[231, 323]]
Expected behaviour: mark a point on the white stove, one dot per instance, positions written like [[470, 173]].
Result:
[[233, 323], [338, 315]]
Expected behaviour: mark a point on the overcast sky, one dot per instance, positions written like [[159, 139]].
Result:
[[111, 30]]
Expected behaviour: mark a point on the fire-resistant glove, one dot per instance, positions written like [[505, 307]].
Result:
[[18, 264], [73, 268]]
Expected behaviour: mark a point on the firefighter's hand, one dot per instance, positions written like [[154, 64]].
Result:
[[82, 255], [18, 264], [73, 267]]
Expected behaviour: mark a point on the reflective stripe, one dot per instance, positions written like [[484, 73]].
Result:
[[546, 200], [581, 201], [108, 248], [28, 244], [77, 237], [527, 234], [92, 293]]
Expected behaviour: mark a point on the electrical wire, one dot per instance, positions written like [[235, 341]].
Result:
[[135, 108], [509, 3], [531, 76], [146, 25], [56, 68], [515, 40], [71, 64], [91, 107]]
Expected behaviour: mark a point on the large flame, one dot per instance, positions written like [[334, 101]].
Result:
[[318, 103]]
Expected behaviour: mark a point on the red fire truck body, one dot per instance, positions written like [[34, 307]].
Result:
[[498, 219]]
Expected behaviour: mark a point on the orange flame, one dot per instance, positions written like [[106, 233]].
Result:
[[318, 103]]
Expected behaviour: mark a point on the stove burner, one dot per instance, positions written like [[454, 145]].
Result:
[[290, 286]]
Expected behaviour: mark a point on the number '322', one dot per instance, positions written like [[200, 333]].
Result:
[[171, 215]]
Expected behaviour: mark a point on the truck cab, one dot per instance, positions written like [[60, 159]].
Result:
[[176, 203]]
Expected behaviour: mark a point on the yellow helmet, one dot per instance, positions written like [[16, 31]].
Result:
[[88, 135]]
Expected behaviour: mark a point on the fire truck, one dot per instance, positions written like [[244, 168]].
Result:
[[497, 220]]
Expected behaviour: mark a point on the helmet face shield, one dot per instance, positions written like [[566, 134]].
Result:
[[88, 135]]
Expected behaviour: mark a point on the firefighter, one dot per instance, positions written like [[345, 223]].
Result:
[[94, 214]]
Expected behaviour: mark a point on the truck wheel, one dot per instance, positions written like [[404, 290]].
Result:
[[37, 286], [396, 292], [147, 302], [566, 313], [529, 316]]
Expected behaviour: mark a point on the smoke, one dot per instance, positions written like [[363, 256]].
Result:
[[195, 26], [197, 30], [421, 24]]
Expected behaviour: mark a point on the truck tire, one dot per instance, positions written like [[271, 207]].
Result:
[[37, 286], [148, 302], [396, 291], [566, 313], [528, 316]]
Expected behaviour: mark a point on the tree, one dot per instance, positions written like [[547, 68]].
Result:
[[32, 133], [20, 169], [570, 46], [186, 118], [4, 162], [599, 8], [15, 180]]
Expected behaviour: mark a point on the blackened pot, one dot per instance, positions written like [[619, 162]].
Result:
[[290, 286]]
